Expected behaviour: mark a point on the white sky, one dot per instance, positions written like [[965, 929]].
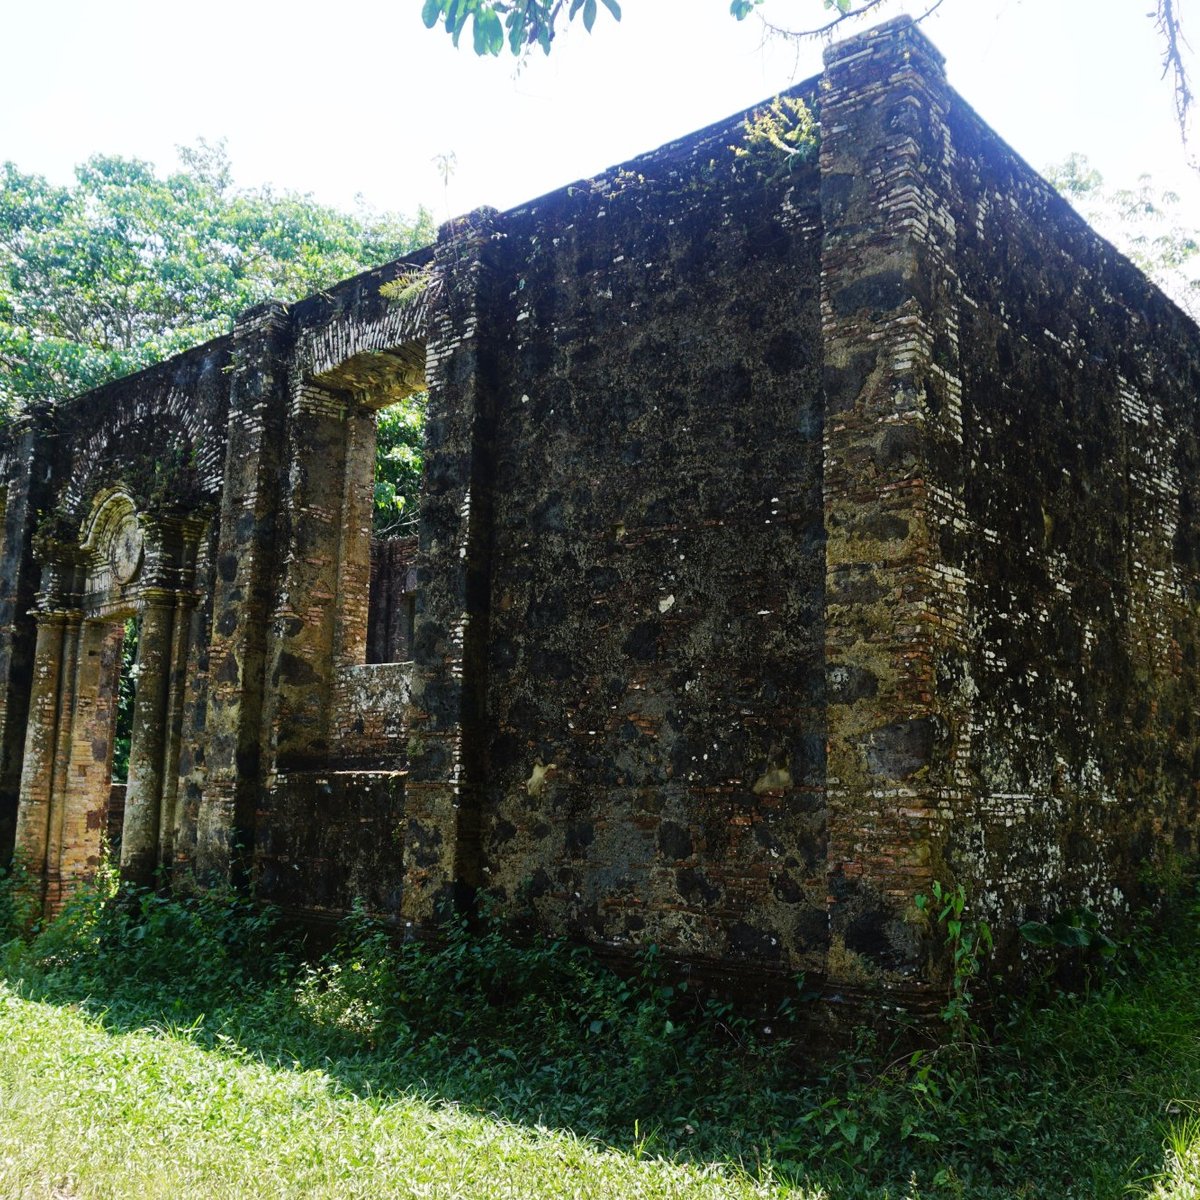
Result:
[[356, 96]]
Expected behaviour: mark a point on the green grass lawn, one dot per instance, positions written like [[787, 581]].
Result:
[[87, 1111], [179, 1048]]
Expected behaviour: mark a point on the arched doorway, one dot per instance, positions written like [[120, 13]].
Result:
[[123, 564]]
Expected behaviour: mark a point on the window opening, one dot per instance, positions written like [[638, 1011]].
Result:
[[399, 448], [126, 690]]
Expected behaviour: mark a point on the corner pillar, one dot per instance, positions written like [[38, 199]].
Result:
[[25, 494], [895, 608]]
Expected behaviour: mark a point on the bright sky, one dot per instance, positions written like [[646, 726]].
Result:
[[357, 97]]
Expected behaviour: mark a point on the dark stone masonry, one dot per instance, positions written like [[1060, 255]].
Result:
[[790, 539]]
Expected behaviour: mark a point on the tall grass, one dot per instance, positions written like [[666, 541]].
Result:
[[184, 1046]]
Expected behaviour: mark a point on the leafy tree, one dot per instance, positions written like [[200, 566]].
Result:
[[124, 268], [398, 461], [1144, 222]]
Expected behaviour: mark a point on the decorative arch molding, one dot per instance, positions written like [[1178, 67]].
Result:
[[117, 561], [112, 546], [179, 466]]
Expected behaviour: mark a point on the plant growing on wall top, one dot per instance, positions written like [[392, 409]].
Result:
[[779, 138]]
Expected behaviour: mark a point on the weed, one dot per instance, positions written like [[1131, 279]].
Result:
[[968, 942]]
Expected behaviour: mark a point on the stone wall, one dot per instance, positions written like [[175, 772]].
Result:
[[796, 531], [1080, 456], [655, 684]]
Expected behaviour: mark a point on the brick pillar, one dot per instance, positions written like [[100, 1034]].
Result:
[[32, 445], [245, 581], [53, 676], [442, 796], [81, 801], [305, 618], [140, 831], [897, 717]]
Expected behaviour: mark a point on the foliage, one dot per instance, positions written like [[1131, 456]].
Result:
[[126, 687], [1076, 929], [535, 22], [779, 138], [968, 942], [1144, 221], [190, 1023], [124, 267], [527, 22], [522, 24], [399, 438]]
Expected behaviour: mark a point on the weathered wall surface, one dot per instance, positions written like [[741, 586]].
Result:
[[655, 678], [81, 564], [789, 540], [1081, 385]]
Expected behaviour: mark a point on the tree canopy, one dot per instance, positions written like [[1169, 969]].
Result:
[[1144, 221], [125, 267]]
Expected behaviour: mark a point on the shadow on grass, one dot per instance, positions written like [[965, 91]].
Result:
[[1068, 1102]]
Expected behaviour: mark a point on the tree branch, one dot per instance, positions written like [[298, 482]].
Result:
[[851, 14], [1169, 28]]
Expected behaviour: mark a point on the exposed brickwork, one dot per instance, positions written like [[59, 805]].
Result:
[[789, 539]]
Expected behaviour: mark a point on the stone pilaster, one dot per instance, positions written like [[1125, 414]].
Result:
[[20, 500], [306, 615], [245, 580], [441, 837], [892, 492], [141, 830], [177, 691]]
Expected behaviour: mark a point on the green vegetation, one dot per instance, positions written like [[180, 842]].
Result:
[[162, 1047], [399, 443], [779, 138], [124, 268], [126, 689], [1146, 222]]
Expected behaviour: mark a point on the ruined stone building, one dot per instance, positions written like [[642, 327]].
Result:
[[788, 540]]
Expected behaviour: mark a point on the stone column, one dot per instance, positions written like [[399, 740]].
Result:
[[894, 608], [303, 624], [169, 821], [31, 447], [53, 670], [140, 832], [245, 583], [442, 796]]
